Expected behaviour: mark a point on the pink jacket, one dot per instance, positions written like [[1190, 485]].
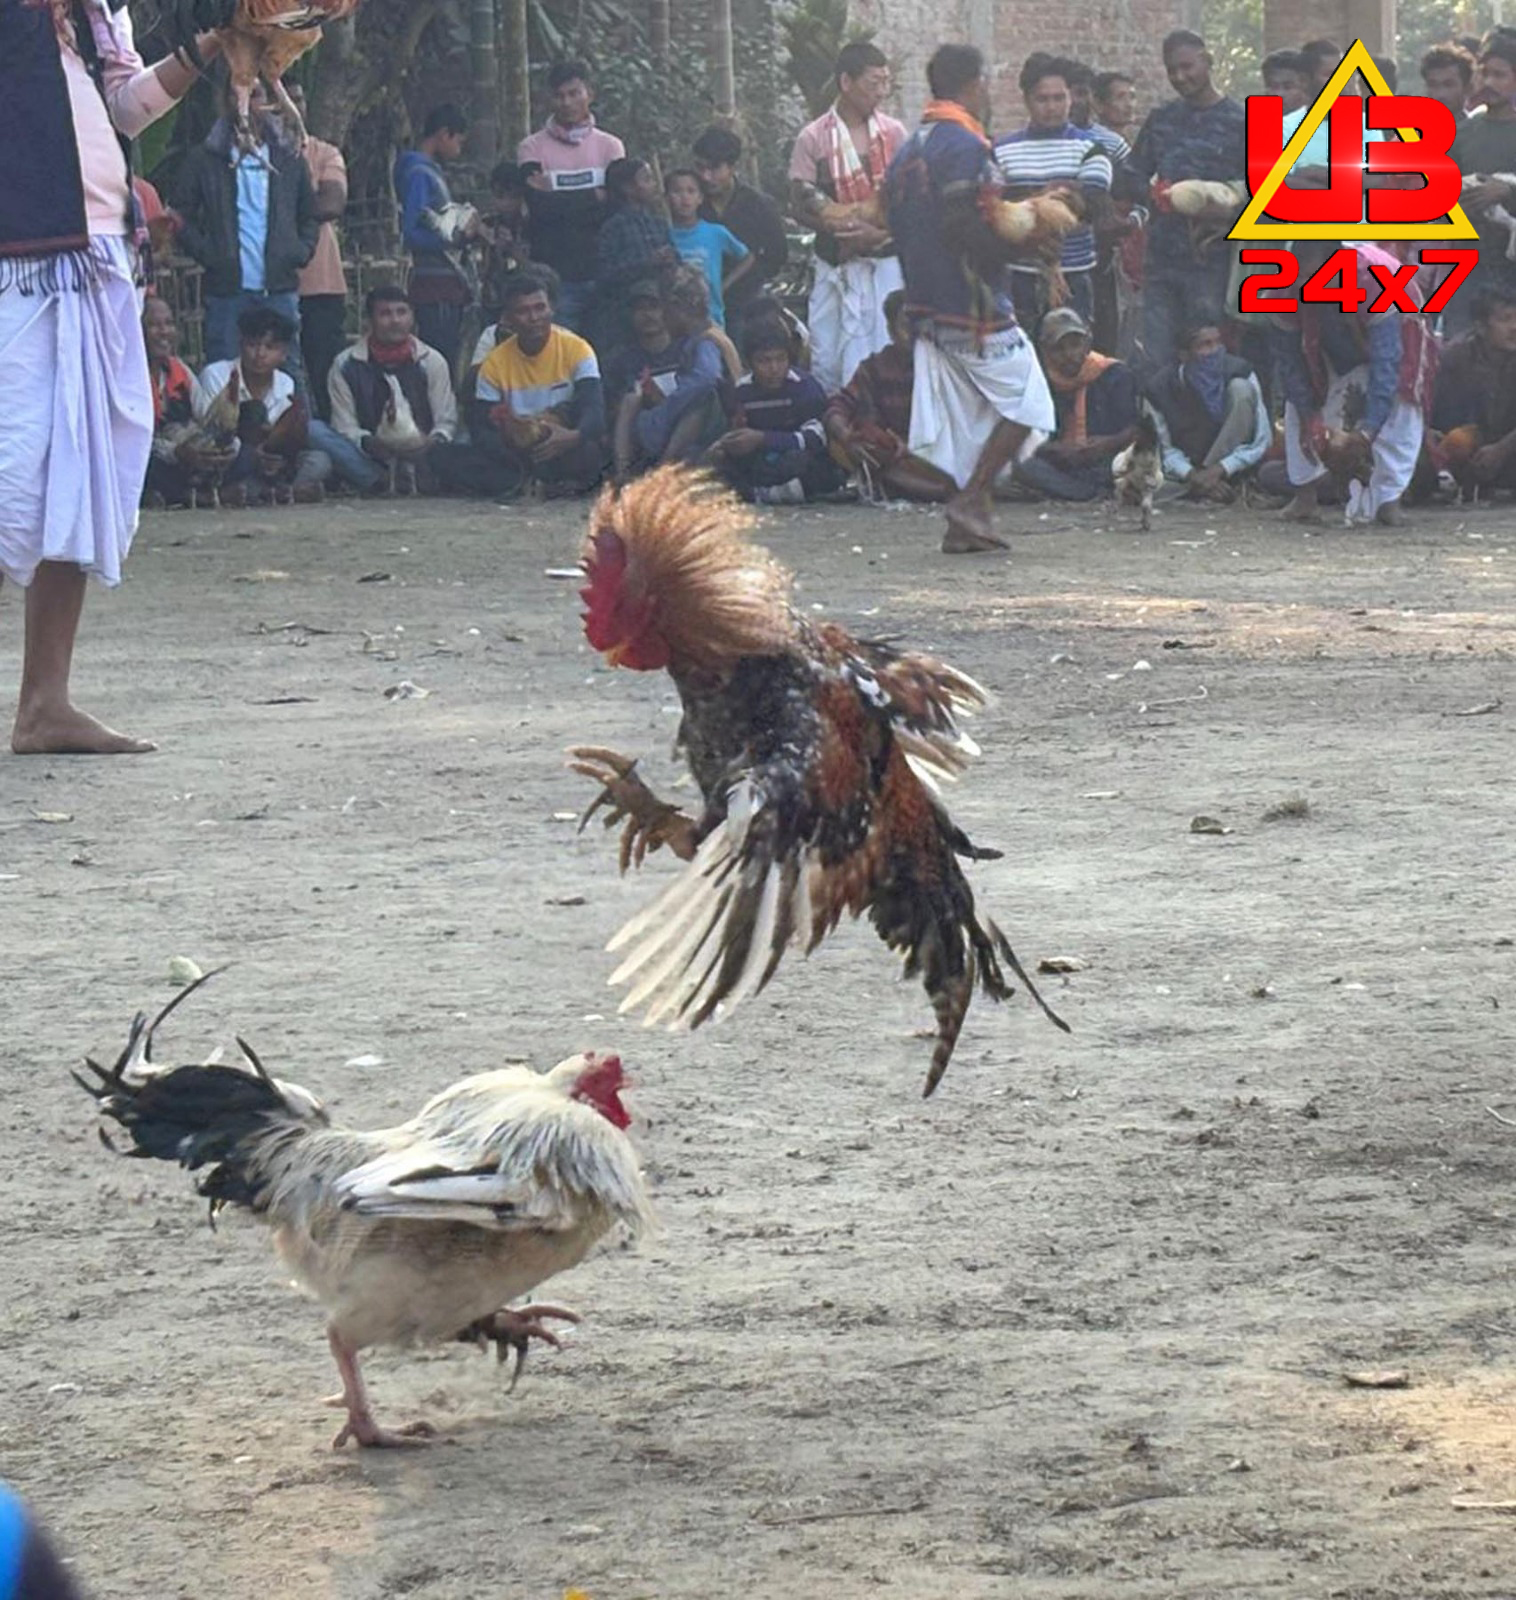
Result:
[[568, 165]]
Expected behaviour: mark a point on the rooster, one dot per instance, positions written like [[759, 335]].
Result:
[[264, 39], [414, 1234], [1037, 227], [815, 754], [1138, 470]]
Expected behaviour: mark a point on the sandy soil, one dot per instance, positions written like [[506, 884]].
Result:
[[1076, 1327]]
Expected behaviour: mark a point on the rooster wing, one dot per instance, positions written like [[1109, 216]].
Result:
[[818, 812]]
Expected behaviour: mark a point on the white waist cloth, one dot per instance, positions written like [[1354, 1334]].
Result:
[[962, 393], [1396, 446], [78, 421], [846, 315]]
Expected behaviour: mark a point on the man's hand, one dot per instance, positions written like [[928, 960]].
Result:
[[1061, 452], [1204, 482], [861, 238], [1489, 192], [558, 441], [740, 442], [270, 463]]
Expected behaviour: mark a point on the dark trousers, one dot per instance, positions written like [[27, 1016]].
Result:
[[1029, 296], [766, 469], [1058, 482], [222, 341], [322, 339], [440, 324], [1174, 299], [489, 468]]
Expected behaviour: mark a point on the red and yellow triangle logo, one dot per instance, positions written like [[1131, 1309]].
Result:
[[1250, 226]]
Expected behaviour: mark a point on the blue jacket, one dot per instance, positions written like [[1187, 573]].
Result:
[[420, 186]]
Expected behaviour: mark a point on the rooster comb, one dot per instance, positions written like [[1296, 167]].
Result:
[[683, 546]]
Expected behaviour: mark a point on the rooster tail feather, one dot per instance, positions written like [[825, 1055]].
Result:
[[216, 1117], [1009, 956]]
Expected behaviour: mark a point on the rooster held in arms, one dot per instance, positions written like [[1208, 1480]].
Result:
[[416, 1234], [815, 754]]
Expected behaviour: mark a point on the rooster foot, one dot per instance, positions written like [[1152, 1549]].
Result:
[[514, 1330], [650, 822], [368, 1435]]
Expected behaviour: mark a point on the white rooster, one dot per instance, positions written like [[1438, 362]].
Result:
[[417, 1234]]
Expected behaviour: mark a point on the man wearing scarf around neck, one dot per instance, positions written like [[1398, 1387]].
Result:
[[1096, 399], [1213, 422], [979, 399], [567, 202], [78, 427], [842, 157]]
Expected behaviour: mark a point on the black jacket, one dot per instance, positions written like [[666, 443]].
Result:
[[207, 199], [759, 224]]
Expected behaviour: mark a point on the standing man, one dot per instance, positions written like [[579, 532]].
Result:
[[1050, 149], [1284, 72], [1115, 101], [842, 158], [439, 287], [746, 211], [1201, 134], [1447, 75], [567, 203], [249, 219], [1486, 148], [78, 420], [978, 397], [322, 285]]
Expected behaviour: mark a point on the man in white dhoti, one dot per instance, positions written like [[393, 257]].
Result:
[[78, 423], [836, 170], [1357, 389], [980, 400]]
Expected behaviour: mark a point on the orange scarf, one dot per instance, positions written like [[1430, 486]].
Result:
[[951, 111], [1078, 386]]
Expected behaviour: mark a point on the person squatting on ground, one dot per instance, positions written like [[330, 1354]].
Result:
[[775, 452], [1095, 398], [1213, 423], [838, 164], [979, 395], [1474, 409], [78, 429]]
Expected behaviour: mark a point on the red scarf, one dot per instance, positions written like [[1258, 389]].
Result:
[[392, 355], [951, 111]]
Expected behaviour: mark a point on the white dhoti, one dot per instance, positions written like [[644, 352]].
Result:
[[76, 426], [1396, 446], [962, 392], [847, 316]]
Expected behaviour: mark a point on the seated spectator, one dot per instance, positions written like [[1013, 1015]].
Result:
[[1213, 424], [869, 419], [652, 353], [497, 331], [1474, 409], [250, 405], [185, 460], [659, 422], [392, 396], [634, 242], [711, 246], [776, 453], [1095, 398], [538, 413]]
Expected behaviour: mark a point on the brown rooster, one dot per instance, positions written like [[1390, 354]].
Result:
[[415, 1234], [815, 755], [264, 39]]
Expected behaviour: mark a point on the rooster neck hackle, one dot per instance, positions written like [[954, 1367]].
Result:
[[709, 593]]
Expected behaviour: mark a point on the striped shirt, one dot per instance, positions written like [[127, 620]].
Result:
[[1032, 158], [1110, 141], [543, 382]]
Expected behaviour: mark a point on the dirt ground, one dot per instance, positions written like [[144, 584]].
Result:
[[1076, 1327]]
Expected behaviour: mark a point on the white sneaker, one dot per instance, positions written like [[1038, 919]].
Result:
[[781, 494]]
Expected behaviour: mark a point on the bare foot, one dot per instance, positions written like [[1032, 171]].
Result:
[[970, 526], [71, 732], [361, 1428], [1390, 515], [515, 1329]]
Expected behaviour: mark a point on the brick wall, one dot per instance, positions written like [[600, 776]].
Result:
[[1104, 33]]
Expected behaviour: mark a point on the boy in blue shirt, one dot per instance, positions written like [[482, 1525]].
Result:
[[706, 245]]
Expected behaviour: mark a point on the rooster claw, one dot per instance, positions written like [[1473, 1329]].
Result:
[[514, 1330], [650, 822]]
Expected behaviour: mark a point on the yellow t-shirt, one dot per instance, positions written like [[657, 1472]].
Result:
[[543, 382]]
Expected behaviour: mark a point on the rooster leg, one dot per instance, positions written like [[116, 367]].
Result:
[[651, 822], [360, 1426], [515, 1329], [246, 139]]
